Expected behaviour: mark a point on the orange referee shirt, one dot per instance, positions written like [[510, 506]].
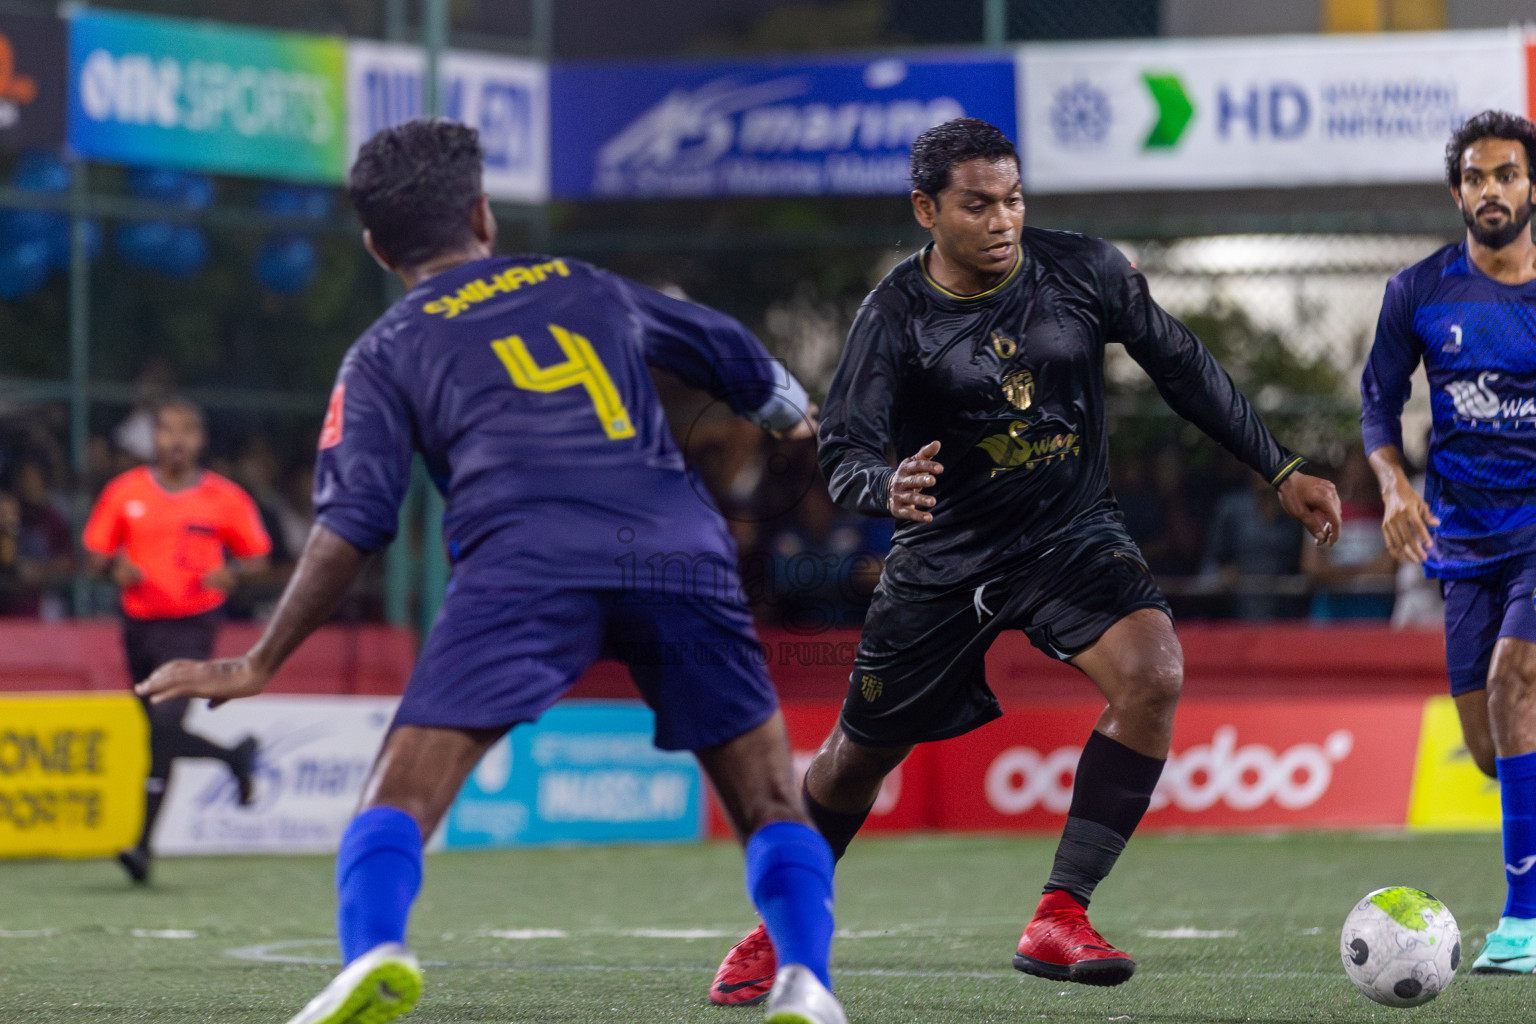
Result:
[[175, 538]]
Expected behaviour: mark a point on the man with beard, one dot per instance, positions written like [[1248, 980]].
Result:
[[986, 350], [1469, 313]]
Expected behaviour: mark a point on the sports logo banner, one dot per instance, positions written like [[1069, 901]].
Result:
[[207, 97], [506, 98], [840, 126], [1244, 113], [31, 80], [72, 773]]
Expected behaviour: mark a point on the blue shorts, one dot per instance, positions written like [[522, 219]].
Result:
[[497, 657], [1479, 611]]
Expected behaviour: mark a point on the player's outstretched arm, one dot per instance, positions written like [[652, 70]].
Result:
[[1314, 503], [326, 569], [1406, 518]]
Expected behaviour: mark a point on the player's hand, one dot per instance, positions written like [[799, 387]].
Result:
[[219, 680], [1405, 523], [907, 500], [125, 573], [223, 578], [1313, 502], [804, 430]]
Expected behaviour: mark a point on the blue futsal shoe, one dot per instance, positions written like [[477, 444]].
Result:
[[1509, 949]]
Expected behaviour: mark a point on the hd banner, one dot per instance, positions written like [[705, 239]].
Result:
[[1246, 113], [207, 97], [766, 128], [31, 80], [506, 98]]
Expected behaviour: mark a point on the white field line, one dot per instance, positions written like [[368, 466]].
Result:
[[163, 933], [287, 952]]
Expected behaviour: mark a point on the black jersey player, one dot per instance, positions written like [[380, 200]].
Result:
[[981, 360]]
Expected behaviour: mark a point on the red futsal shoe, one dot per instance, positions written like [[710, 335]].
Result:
[[746, 974], [1061, 945]]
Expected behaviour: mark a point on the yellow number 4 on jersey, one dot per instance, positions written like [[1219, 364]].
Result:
[[581, 366]]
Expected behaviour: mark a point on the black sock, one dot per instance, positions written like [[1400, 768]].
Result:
[[836, 827], [1110, 794], [154, 796], [180, 743]]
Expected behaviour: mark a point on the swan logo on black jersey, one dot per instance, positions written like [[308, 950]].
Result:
[[1013, 449]]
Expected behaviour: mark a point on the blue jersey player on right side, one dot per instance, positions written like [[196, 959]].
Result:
[[1469, 314], [523, 383]]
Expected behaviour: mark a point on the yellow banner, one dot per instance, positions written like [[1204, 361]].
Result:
[[1449, 793], [72, 774]]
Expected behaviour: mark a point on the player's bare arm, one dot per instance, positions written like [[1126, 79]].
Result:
[[1406, 518], [326, 569], [227, 576], [1313, 502], [912, 476]]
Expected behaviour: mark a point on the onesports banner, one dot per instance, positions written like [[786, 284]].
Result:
[[506, 98], [1244, 113], [72, 770], [762, 128], [207, 97]]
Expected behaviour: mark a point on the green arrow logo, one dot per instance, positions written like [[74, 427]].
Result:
[[1174, 109]]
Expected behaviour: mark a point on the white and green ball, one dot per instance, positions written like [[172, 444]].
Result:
[[1401, 946]]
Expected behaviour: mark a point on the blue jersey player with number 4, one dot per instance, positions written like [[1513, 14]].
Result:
[[523, 383], [1469, 314]]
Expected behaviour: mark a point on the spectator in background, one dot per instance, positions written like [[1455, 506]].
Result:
[[1150, 490], [1252, 538], [10, 533], [45, 557], [1354, 578], [166, 533]]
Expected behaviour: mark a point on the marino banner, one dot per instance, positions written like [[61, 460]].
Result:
[[836, 126], [207, 97]]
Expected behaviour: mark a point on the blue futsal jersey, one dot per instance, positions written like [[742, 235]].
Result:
[[1477, 339], [523, 383]]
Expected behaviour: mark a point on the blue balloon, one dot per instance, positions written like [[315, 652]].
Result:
[[193, 191], [287, 264], [38, 170], [175, 250], [186, 254], [24, 268], [295, 201]]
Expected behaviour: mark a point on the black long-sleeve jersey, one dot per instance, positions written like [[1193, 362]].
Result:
[[1011, 381]]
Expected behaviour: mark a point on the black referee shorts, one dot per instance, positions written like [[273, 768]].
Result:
[[151, 643], [920, 671]]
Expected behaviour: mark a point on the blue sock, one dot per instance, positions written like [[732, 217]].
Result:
[[789, 877], [378, 873], [1517, 791]]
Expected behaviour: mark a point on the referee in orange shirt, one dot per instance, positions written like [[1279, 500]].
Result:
[[175, 538]]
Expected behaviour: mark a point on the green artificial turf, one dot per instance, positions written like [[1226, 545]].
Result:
[[930, 925]]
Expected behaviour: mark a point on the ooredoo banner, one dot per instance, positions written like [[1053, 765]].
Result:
[[72, 773], [1243, 113], [506, 98], [205, 96], [801, 127]]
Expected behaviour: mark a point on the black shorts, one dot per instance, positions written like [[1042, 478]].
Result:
[[151, 643], [920, 671]]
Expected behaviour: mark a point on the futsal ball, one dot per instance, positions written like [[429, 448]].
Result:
[[1401, 947]]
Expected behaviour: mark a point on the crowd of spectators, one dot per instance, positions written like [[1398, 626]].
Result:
[[1216, 538]]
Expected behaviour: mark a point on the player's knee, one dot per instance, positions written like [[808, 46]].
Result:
[[1511, 692], [1155, 684]]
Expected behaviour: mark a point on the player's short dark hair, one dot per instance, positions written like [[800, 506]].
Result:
[[183, 403], [1490, 124], [414, 185], [936, 152]]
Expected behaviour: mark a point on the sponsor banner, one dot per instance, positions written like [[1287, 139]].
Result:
[[903, 803], [1450, 794], [825, 127], [208, 97], [315, 754], [1243, 113], [31, 80], [71, 774], [1234, 764], [587, 772], [506, 98]]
